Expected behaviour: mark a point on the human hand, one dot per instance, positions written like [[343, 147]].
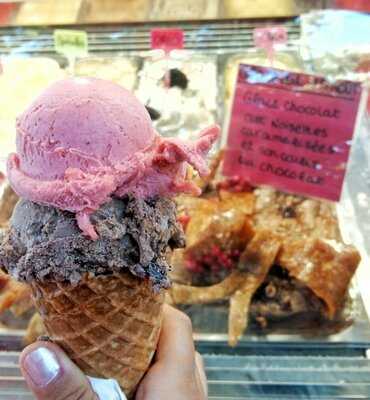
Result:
[[176, 374]]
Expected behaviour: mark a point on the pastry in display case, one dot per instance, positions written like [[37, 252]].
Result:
[[180, 91], [120, 70], [278, 259], [15, 302], [8, 201]]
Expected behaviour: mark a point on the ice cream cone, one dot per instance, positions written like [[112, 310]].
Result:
[[95, 221], [108, 325]]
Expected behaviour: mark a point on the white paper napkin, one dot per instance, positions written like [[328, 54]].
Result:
[[107, 389]]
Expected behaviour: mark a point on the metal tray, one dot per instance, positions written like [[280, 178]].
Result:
[[210, 324], [270, 374]]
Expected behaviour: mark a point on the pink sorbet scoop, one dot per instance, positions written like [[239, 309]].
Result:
[[83, 140]]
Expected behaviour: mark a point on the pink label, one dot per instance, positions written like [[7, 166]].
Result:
[[266, 38], [291, 131], [167, 39]]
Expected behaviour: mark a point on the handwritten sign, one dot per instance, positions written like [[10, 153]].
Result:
[[167, 39], [291, 131], [71, 43]]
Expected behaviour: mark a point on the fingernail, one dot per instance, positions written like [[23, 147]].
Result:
[[41, 366]]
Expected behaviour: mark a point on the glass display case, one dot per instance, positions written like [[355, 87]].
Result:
[[290, 348]]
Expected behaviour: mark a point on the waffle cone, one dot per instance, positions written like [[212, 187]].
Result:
[[108, 325]]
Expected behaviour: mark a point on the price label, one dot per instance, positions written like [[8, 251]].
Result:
[[266, 38], [71, 43], [291, 131], [167, 39]]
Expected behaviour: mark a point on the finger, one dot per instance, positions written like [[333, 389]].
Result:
[[201, 375], [176, 345], [173, 374], [51, 375]]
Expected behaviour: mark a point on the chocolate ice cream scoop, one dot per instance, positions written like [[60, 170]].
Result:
[[45, 243]]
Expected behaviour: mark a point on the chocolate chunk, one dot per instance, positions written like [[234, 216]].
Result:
[[154, 114], [282, 297], [45, 243], [289, 212], [286, 302], [178, 78], [270, 290], [262, 322], [44, 338]]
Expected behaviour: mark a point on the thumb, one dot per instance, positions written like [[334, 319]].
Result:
[[51, 375]]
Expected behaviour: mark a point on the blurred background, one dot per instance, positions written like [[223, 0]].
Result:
[[287, 347], [40, 12]]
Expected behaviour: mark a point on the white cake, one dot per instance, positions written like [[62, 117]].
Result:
[[183, 111], [120, 70]]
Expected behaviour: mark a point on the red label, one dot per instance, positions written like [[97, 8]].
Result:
[[6, 10], [358, 5], [291, 131], [167, 39]]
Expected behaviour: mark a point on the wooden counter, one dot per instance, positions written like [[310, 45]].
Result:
[[69, 12]]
